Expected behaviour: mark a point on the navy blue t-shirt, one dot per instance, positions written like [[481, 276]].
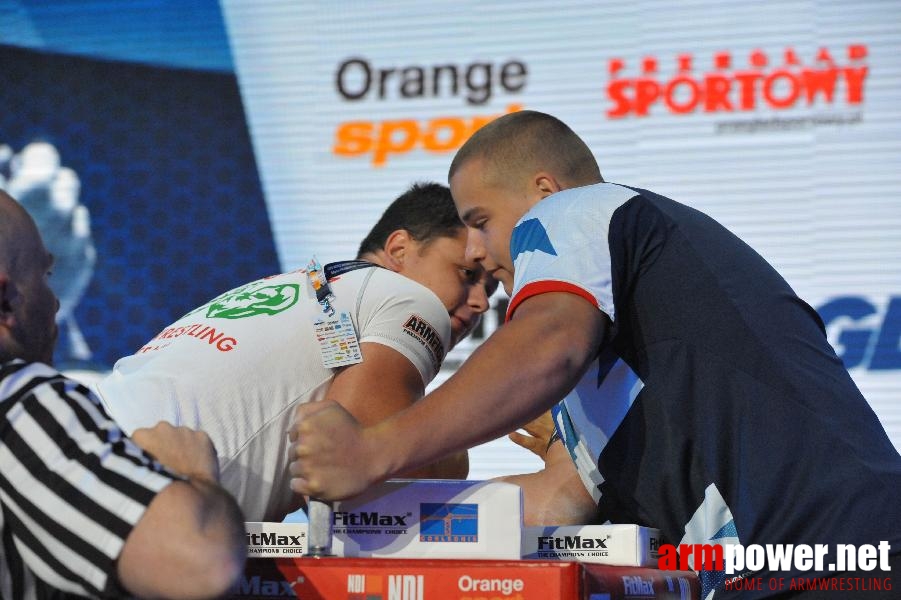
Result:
[[718, 411]]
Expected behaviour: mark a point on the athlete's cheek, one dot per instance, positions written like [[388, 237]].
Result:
[[500, 254]]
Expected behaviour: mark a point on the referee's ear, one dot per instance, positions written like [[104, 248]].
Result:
[[6, 307], [7, 318]]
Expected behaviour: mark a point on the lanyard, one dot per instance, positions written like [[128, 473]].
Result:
[[319, 278]]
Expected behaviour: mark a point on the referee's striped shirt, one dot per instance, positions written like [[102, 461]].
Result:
[[72, 486]]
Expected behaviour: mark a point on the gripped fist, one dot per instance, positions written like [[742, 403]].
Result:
[[331, 458]]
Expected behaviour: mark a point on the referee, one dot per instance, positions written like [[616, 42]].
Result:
[[83, 509]]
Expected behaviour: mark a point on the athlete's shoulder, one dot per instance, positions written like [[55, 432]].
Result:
[[569, 219], [405, 315], [590, 198], [391, 284]]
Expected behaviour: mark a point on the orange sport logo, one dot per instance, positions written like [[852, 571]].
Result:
[[383, 139], [359, 80]]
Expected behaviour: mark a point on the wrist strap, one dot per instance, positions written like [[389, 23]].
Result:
[[554, 437]]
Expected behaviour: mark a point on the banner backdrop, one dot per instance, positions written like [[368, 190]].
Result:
[[780, 119], [171, 153]]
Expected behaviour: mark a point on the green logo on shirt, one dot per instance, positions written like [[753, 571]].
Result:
[[252, 300]]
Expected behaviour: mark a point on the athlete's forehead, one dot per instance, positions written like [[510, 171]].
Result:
[[475, 193], [443, 244]]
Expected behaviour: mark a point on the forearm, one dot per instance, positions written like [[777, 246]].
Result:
[[547, 501], [520, 371], [218, 518], [455, 466], [555, 495], [190, 543]]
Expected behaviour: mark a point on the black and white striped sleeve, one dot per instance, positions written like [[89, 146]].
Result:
[[72, 485]]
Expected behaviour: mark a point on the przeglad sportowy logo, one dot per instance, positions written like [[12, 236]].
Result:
[[730, 82]]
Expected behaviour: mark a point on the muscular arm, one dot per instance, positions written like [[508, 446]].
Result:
[[519, 372], [555, 495], [385, 383], [189, 543]]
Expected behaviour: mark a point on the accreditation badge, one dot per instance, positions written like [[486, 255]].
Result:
[[335, 332], [338, 345]]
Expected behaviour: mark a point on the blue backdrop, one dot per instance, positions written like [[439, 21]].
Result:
[[167, 173]]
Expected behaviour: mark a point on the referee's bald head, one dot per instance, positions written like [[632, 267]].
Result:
[[520, 144], [12, 218]]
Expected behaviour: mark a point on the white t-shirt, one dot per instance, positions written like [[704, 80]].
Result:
[[238, 366]]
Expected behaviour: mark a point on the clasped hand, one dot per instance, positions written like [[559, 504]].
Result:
[[331, 453]]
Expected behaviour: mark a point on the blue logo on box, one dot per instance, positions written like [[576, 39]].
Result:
[[448, 522]]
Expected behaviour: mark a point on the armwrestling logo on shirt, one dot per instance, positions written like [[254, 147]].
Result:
[[253, 299], [250, 300], [421, 330]]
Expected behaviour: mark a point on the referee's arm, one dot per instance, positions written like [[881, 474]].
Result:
[[190, 541]]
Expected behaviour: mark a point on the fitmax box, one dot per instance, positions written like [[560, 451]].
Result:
[[623, 545], [276, 539], [429, 518]]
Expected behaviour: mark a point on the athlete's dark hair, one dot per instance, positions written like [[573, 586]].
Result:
[[519, 142], [426, 211]]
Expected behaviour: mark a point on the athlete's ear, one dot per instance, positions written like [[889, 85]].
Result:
[[6, 301], [545, 184], [397, 246]]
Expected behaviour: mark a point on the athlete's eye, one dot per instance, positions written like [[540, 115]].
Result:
[[480, 224], [473, 275]]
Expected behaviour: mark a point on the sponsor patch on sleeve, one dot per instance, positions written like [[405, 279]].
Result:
[[423, 332]]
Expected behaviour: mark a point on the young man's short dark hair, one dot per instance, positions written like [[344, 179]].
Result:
[[426, 211]]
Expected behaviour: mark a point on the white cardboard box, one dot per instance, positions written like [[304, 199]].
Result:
[[624, 545], [455, 519], [276, 539], [429, 518]]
